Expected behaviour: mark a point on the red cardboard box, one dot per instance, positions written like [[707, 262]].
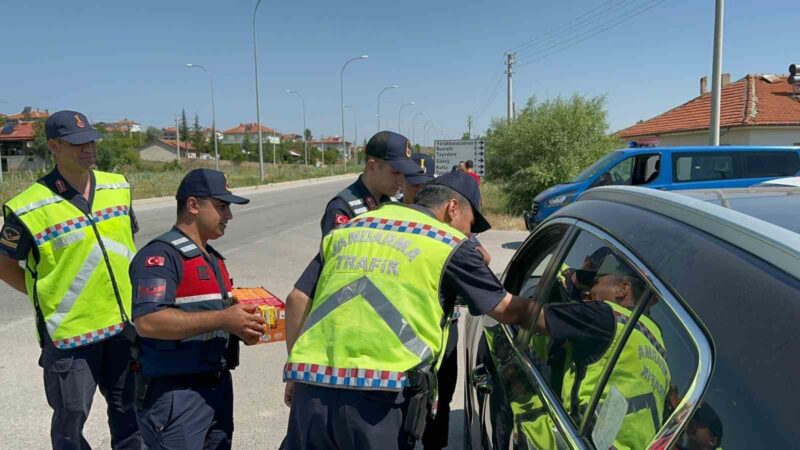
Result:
[[272, 310]]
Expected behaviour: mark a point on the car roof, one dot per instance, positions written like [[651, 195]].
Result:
[[773, 243], [788, 181], [704, 148]]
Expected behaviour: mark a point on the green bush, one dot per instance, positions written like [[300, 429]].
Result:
[[546, 144]]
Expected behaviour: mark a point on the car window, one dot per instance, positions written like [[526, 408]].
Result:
[[617, 386], [621, 173], [702, 166], [707, 166]]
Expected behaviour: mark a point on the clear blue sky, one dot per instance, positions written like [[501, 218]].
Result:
[[126, 59]]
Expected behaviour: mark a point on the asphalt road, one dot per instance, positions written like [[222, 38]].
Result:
[[268, 243]]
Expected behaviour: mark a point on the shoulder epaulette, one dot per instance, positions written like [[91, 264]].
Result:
[[181, 243]]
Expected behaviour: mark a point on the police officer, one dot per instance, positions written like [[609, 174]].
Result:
[[188, 323], [74, 230], [437, 427], [641, 374], [364, 362], [387, 162]]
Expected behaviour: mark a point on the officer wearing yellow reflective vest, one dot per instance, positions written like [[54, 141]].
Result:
[[364, 361], [588, 330], [73, 229]]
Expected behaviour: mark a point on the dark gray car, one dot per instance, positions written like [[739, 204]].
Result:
[[719, 296]]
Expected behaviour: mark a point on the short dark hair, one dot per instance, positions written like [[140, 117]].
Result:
[[182, 203], [637, 285], [469, 164], [433, 196]]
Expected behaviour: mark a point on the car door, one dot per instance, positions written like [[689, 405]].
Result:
[[488, 353], [553, 387]]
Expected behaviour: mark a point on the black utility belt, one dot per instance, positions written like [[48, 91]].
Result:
[[191, 379]]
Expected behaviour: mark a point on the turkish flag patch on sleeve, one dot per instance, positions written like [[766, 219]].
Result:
[[340, 219], [154, 261]]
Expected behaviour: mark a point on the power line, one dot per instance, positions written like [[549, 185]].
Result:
[[590, 33], [491, 98], [568, 26]]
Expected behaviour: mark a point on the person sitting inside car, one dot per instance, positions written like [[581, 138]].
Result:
[[577, 282], [583, 337]]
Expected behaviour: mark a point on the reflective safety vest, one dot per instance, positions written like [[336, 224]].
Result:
[[641, 376], [199, 290], [79, 283], [376, 313]]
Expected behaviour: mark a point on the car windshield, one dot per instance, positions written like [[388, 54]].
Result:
[[590, 171]]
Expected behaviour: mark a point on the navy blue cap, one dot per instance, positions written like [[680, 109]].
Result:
[[393, 148], [70, 126], [425, 163], [208, 183], [466, 186]]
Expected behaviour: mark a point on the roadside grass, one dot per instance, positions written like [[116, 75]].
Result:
[[495, 208], [151, 179]]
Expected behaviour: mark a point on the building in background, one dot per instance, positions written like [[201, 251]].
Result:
[[756, 110], [331, 143], [236, 135], [165, 150]]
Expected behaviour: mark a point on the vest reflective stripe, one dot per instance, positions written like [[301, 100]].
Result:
[[77, 223], [346, 377], [405, 226], [197, 298], [112, 186], [388, 312], [36, 205], [376, 313], [94, 259], [622, 319]]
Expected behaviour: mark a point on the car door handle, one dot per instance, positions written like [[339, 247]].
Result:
[[480, 380]]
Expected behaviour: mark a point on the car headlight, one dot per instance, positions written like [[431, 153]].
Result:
[[557, 200]]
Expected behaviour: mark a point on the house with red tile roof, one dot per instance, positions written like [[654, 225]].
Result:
[[28, 114], [755, 110], [15, 140], [330, 143], [236, 134]]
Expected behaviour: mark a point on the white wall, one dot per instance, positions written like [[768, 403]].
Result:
[[735, 136], [156, 152]]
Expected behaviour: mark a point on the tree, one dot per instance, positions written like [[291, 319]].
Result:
[[308, 135], [198, 140], [152, 134], [116, 150], [184, 126], [465, 135], [39, 145], [548, 143]]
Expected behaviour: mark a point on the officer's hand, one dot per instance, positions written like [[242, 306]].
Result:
[[245, 322], [288, 393]]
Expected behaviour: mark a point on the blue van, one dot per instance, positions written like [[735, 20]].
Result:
[[671, 168]]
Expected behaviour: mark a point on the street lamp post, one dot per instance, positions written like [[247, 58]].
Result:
[[305, 141], [355, 130], [414, 128], [400, 116], [425, 130], [341, 92], [394, 86], [716, 69], [213, 113], [258, 104]]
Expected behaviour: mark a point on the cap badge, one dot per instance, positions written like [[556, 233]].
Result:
[[408, 149], [422, 165], [80, 123], [227, 184]]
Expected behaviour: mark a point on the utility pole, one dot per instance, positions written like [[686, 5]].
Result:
[[511, 58], [716, 75], [469, 127], [178, 138]]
